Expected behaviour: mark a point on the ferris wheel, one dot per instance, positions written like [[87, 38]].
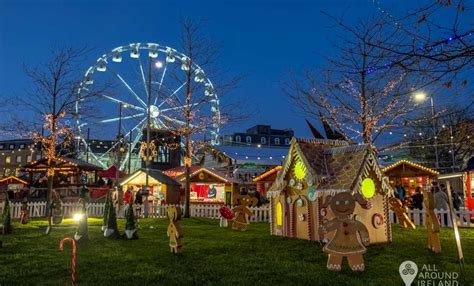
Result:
[[125, 84]]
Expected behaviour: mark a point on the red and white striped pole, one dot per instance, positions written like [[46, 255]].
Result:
[[73, 265]]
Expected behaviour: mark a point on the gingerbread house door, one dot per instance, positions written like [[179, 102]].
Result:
[[301, 219]]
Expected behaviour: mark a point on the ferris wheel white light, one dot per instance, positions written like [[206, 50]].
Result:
[[158, 64]]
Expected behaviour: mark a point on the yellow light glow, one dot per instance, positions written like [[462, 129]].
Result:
[[300, 171], [368, 188], [78, 216], [419, 96], [279, 214]]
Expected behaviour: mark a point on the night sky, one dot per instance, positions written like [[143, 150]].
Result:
[[261, 39]]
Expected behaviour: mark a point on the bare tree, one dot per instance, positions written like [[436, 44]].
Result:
[[358, 93], [201, 110]]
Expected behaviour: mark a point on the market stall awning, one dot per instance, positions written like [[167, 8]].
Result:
[[155, 178], [61, 165], [405, 168], [199, 174], [111, 173], [12, 180]]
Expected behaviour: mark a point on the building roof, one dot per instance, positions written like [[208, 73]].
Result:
[[61, 164], [267, 174], [267, 156], [179, 174], [332, 165], [12, 180], [408, 168], [155, 177]]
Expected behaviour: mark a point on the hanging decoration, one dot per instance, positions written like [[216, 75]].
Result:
[[312, 195], [147, 152]]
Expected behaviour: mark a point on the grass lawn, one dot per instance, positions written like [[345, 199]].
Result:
[[212, 256]]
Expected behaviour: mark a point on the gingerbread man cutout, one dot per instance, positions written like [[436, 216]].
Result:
[[351, 235], [242, 213], [432, 223], [401, 212], [175, 231]]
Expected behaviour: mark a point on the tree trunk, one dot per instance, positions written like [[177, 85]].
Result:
[[49, 191]]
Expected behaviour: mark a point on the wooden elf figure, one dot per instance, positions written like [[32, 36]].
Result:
[[175, 231], [351, 235], [24, 217], [242, 213], [401, 212], [432, 223]]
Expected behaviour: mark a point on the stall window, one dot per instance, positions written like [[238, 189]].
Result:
[[279, 214]]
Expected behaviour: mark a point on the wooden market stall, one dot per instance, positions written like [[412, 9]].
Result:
[[70, 176], [161, 186], [265, 180], [410, 175], [14, 186], [207, 185]]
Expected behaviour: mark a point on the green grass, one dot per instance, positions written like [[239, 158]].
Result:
[[211, 256]]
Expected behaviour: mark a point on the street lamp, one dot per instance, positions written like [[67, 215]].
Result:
[[420, 97]]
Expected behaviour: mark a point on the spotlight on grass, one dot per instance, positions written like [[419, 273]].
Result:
[[78, 216]]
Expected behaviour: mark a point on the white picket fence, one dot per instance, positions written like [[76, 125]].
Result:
[[38, 209], [260, 214]]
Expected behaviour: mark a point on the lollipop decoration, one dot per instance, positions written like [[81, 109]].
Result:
[[73, 261], [226, 214]]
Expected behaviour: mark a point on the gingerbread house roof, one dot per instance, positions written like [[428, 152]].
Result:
[[332, 165]]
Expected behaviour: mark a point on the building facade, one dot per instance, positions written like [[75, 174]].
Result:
[[16, 153], [260, 135]]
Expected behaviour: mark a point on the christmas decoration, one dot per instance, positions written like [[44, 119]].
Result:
[[130, 228], [315, 169], [242, 213], [175, 231], [226, 214], [6, 225], [431, 222], [401, 212], [24, 212], [351, 235], [111, 230], [73, 259], [82, 233]]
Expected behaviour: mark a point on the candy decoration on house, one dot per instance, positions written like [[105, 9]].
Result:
[[401, 212], [431, 222], [56, 207], [111, 230], [24, 216], [6, 225], [82, 233], [130, 227], [226, 214], [315, 169], [175, 231], [73, 259], [242, 213], [351, 236]]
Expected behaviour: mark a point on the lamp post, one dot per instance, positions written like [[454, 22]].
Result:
[[421, 97]]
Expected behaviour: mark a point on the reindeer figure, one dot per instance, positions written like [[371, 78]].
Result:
[[351, 235], [175, 231], [242, 213]]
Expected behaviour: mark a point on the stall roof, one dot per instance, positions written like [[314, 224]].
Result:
[[178, 173], [61, 164], [12, 180], [155, 177], [408, 168], [111, 173]]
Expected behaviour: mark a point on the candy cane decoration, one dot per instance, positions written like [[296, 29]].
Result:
[[73, 272]]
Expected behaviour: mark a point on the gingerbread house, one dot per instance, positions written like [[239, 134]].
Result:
[[317, 168]]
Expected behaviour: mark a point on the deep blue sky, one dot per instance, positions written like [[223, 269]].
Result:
[[262, 39]]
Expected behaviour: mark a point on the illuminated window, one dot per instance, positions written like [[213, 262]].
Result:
[[18, 159], [279, 214], [11, 146], [22, 146], [8, 160], [263, 140], [248, 139], [2, 146], [277, 141], [28, 158], [238, 139]]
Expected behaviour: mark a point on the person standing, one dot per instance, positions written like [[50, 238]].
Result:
[[417, 199], [440, 200]]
